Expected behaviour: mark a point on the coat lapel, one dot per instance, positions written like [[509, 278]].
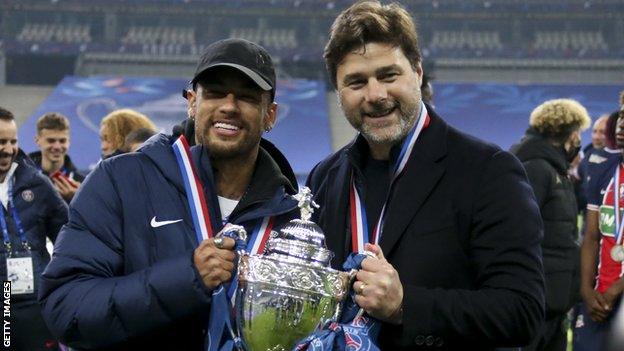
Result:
[[336, 214], [420, 177]]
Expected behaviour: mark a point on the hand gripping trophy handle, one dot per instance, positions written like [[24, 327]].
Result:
[[370, 254], [238, 234]]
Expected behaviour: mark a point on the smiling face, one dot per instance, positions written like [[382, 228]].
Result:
[[231, 112], [53, 144], [8, 146], [379, 92]]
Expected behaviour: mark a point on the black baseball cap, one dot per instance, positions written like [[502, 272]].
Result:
[[249, 58]]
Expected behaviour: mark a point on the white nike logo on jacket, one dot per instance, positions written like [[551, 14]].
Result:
[[155, 224]]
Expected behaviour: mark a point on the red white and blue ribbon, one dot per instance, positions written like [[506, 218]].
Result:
[[359, 224], [220, 314], [194, 191], [619, 224], [255, 246]]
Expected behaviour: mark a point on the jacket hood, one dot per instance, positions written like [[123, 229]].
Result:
[[534, 146], [158, 149]]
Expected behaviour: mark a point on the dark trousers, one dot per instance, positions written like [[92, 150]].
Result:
[[552, 336], [590, 335], [28, 330]]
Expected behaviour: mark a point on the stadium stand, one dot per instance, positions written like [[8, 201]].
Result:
[[270, 37], [570, 40], [475, 40], [54, 32], [503, 34], [159, 35]]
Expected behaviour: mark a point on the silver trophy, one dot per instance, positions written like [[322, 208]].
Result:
[[286, 293]]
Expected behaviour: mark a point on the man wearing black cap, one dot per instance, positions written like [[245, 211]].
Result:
[[137, 264]]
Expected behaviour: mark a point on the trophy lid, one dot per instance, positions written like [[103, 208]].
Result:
[[301, 238]]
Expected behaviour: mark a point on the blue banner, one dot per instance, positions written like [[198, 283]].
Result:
[[499, 113], [302, 131]]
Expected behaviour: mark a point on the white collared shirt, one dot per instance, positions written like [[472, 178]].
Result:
[[4, 186]]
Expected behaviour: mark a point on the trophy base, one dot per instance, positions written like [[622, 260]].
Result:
[[274, 319]]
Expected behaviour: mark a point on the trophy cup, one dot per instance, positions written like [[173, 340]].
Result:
[[286, 293]]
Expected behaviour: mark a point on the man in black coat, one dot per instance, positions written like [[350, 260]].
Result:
[[551, 143], [452, 220]]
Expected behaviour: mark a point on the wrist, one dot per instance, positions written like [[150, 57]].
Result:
[[618, 286], [397, 316], [586, 289]]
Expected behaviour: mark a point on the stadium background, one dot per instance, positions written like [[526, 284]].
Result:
[[493, 62]]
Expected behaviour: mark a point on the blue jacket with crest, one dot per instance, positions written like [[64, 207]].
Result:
[[42, 213]]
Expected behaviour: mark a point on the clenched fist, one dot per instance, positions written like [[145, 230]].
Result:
[[378, 288], [215, 262]]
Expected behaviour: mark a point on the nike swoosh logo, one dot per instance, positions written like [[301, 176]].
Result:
[[155, 224]]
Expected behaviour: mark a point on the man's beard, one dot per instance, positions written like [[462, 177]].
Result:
[[243, 147], [5, 169], [220, 149], [407, 115]]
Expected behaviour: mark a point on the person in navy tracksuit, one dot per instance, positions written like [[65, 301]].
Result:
[[128, 272], [31, 212]]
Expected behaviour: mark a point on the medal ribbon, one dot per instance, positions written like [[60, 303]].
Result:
[[18, 223], [194, 191], [619, 224], [223, 299], [359, 225], [221, 312]]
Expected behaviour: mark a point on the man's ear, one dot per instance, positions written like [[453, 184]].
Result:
[[37, 139], [419, 71], [270, 117], [191, 100]]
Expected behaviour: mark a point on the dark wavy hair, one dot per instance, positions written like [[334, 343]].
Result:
[[371, 22], [610, 129]]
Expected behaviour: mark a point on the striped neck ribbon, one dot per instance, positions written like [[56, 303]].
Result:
[[359, 224]]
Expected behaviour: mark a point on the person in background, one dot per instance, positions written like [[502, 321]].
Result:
[[550, 145], [136, 138], [579, 174], [116, 126], [53, 139], [602, 253], [31, 211], [452, 220], [598, 139]]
